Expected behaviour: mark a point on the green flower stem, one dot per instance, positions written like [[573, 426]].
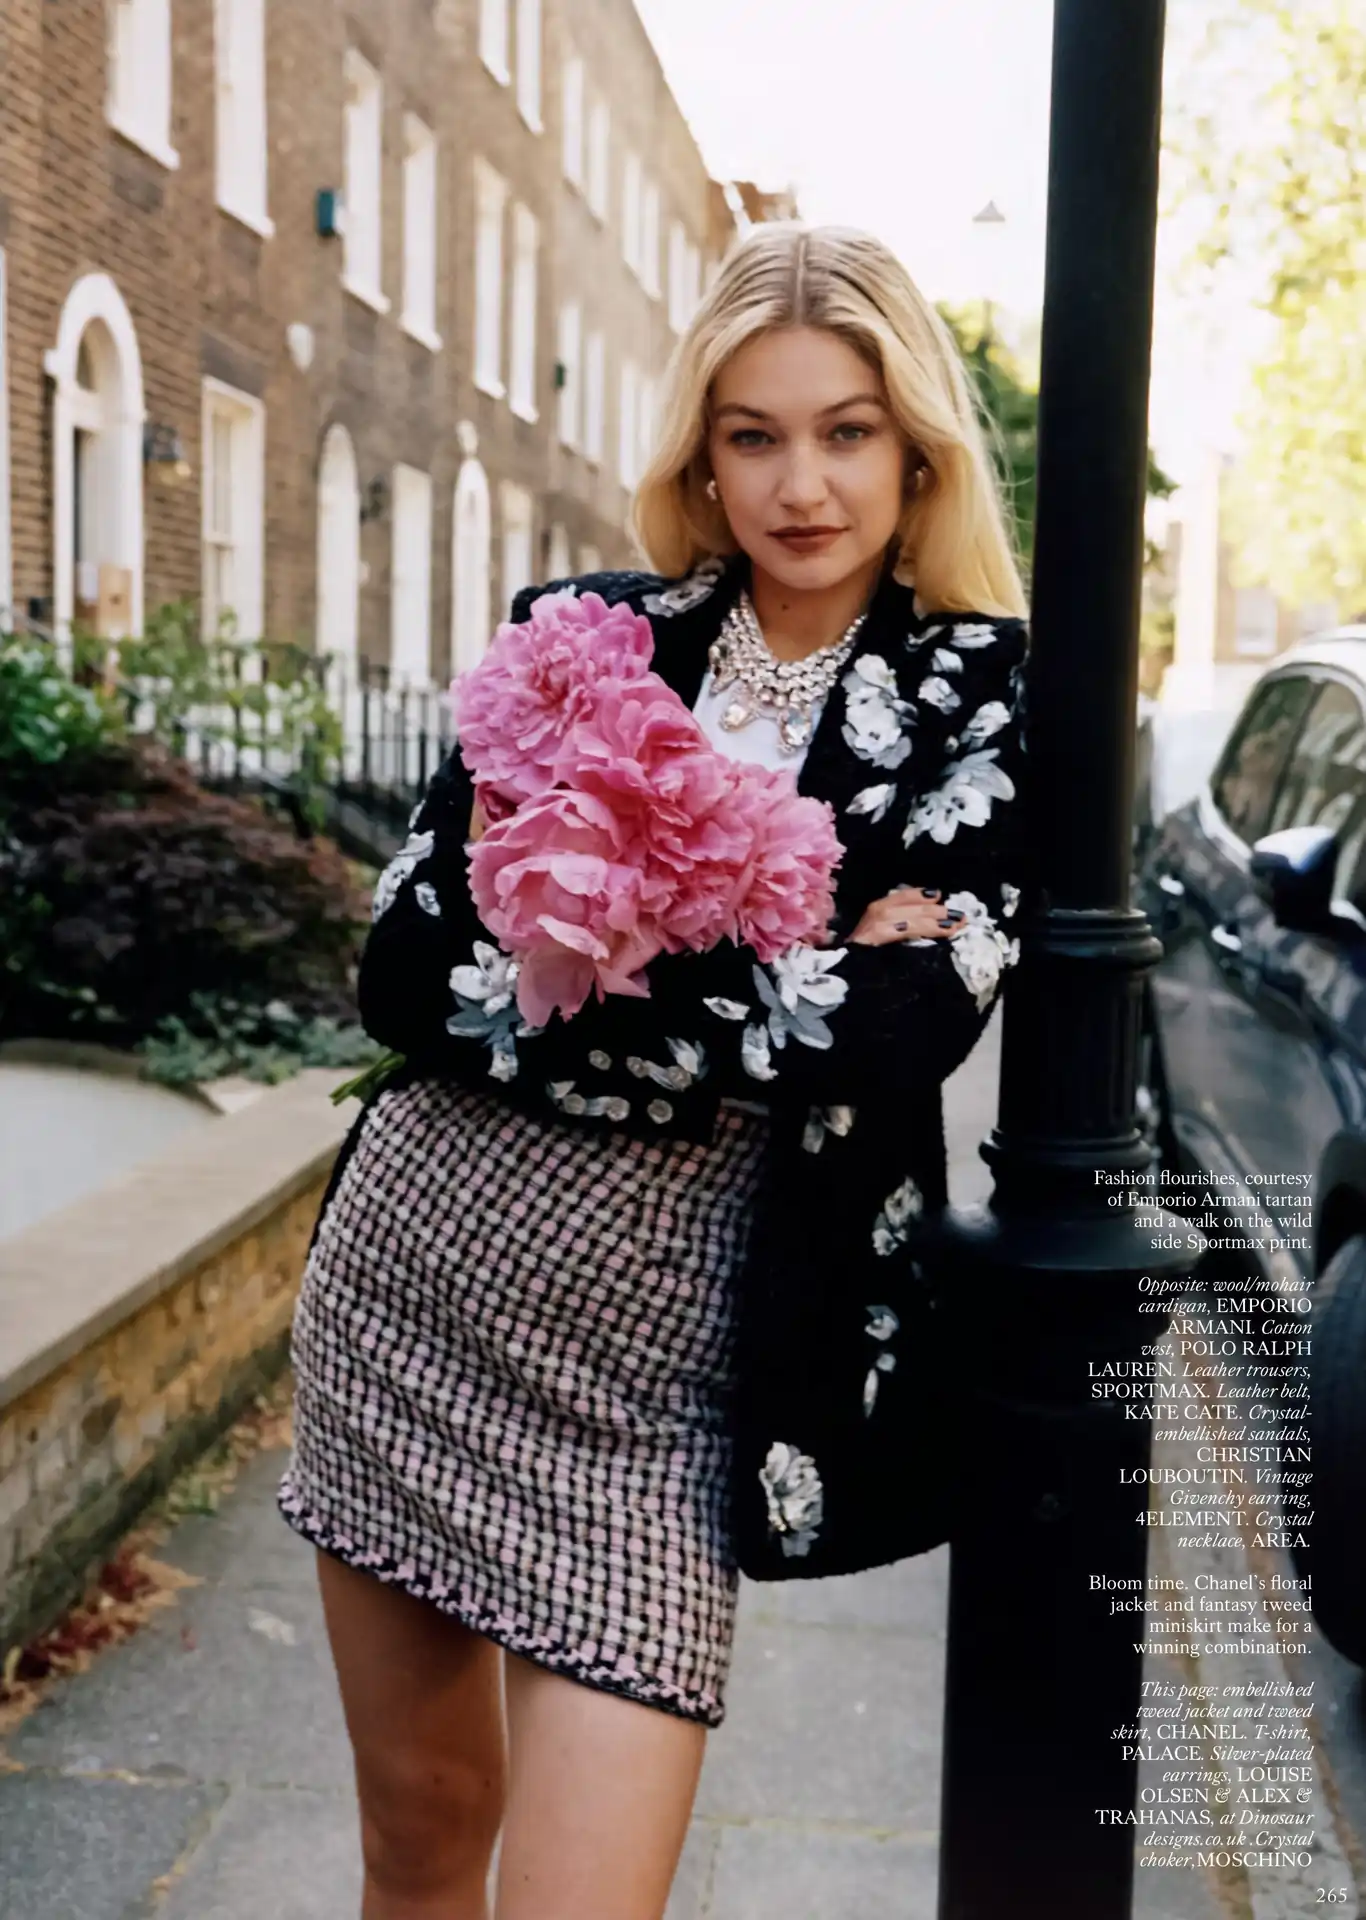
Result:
[[368, 1082]]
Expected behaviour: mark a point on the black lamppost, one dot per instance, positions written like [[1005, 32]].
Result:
[[1041, 1671]]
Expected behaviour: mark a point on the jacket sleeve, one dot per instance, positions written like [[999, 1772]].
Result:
[[840, 1026], [854, 1025]]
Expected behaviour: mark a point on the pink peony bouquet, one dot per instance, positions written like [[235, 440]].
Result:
[[616, 831]]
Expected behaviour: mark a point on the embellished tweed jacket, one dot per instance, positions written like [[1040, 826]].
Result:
[[840, 1459]]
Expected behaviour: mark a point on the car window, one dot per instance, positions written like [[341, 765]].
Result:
[[1244, 784], [1323, 782]]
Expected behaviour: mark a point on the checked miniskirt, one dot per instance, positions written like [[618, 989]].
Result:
[[513, 1352]]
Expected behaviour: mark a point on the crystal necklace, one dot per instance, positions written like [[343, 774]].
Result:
[[785, 691]]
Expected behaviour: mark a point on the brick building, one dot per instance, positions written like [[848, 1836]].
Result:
[[342, 321]]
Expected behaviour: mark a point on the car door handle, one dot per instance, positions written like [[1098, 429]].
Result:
[[1226, 938], [1170, 884]]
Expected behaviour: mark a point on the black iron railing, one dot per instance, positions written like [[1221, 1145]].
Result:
[[341, 745]]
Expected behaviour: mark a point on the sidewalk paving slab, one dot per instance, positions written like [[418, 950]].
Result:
[[212, 1750]]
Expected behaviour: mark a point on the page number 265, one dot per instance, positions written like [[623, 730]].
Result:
[[1331, 1897]]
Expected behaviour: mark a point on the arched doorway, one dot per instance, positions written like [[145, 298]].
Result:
[[337, 630], [472, 552], [97, 426]]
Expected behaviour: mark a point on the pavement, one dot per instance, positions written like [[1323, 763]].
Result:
[[200, 1771]]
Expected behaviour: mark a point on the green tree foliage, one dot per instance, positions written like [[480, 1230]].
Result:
[[1008, 395], [1268, 141]]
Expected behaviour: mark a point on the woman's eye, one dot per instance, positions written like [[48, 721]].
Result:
[[854, 427], [745, 435]]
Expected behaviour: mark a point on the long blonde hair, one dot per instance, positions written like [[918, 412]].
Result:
[[952, 536]]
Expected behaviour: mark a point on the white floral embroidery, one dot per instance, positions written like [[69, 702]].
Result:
[[963, 798], [882, 1323], [883, 1364], [727, 1009], [987, 720], [796, 1500], [755, 1056], [981, 950], [486, 996], [876, 716], [1010, 898], [804, 973], [823, 1120], [425, 895], [689, 592], [415, 849], [801, 989], [874, 801], [892, 1227], [601, 1106], [945, 660], [690, 1063], [975, 634], [939, 693]]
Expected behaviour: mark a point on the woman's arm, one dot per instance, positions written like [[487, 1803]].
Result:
[[834, 1027], [852, 1030]]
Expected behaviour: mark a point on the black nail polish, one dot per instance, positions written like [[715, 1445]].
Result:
[[930, 893], [901, 925], [955, 913]]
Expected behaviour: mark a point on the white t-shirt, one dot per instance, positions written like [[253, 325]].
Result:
[[758, 742]]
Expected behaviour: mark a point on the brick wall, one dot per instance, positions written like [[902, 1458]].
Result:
[[208, 296], [136, 1324], [84, 1452]]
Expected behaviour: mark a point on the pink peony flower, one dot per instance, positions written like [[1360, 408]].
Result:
[[559, 884], [787, 894], [515, 712]]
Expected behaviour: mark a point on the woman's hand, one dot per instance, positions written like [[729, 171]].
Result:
[[909, 913]]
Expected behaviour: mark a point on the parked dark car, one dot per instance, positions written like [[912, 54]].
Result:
[[1256, 1048]]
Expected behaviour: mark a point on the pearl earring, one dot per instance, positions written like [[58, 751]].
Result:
[[711, 489]]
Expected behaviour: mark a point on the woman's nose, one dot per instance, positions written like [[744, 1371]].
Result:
[[803, 478]]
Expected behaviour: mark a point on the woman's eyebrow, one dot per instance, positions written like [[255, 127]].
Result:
[[757, 413]]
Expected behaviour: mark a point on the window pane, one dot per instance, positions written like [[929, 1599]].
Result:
[[595, 375], [1322, 775], [362, 184], [419, 227], [1245, 782], [529, 60], [573, 121]]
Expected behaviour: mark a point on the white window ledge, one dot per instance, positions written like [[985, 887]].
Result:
[[259, 223], [524, 411], [532, 120], [501, 73], [370, 296], [424, 335], [159, 149], [493, 387]]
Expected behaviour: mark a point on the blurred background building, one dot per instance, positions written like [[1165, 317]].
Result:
[[344, 323]]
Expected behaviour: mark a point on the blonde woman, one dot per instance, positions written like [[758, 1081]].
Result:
[[588, 1315]]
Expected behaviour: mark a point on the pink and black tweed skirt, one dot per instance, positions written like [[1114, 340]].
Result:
[[513, 1351]]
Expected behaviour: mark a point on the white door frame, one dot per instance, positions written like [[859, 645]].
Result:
[[96, 298]]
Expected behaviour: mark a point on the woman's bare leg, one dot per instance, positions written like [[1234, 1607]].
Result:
[[600, 1796], [422, 1696]]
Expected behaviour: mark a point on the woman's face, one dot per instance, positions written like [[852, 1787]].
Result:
[[801, 436]]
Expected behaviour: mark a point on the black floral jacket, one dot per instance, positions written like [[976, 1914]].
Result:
[[842, 1402]]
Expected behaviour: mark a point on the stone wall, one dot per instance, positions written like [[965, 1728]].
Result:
[[135, 1325]]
